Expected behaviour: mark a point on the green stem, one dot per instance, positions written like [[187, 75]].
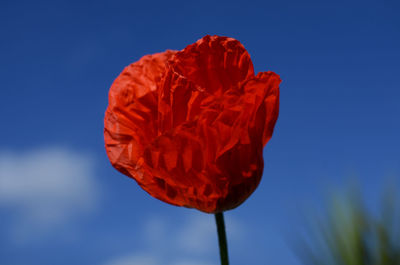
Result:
[[223, 246]]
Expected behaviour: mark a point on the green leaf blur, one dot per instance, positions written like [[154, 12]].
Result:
[[350, 234]]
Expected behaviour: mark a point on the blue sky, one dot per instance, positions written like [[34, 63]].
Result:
[[61, 202]]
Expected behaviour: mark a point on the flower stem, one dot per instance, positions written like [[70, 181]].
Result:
[[223, 246]]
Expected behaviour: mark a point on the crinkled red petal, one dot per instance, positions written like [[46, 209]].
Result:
[[191, 132]]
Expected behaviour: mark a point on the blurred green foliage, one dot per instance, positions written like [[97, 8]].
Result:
[[349, 234]]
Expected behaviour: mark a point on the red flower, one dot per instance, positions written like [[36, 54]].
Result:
[[190, 126]]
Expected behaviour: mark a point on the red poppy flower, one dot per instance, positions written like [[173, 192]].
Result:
[[190, 126]]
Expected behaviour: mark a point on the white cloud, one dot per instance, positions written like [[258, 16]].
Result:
[[198, 234], [156, 230], [190, 262], [46, 188], [134, 260], [141, 259], [194, 234], [173, 240]]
